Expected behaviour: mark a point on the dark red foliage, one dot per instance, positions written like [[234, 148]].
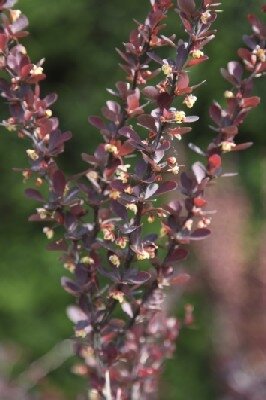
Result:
[[106, 256]]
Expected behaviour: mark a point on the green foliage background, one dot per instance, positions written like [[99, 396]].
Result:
[[78, 39]]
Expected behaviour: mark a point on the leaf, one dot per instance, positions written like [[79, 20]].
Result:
[[200, 234], [155, 58], [176, 256], [181, 57], [165, 187], [59, 182], [59, 245], [97, 122], [191, 119], [20, 24], [119, 210], [215, 112], [129, 133], [75, 314], [164, 100], [242, 146], [250, 102], [196, 149], [151, 92], [180, 279], [34, 194], [199, 171], [127, 228], [126, 307], [187, 182], [147, 121], [188, 6], [151, 190], [70, 286], [136, 277], [50, 99]]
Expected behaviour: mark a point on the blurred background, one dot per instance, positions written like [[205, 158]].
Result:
[[223, 355]]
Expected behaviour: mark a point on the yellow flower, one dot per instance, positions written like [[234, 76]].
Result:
[[48, 232], [227, 146], [81, 333], [228, 94], [114, 194], [108, 235], [205, 17], [188, 224], [110, 148], [117, 295], [15, 14], [87, 260], [151, 219], [167, 69], [179, 116], [128, 189], [190, 100], [49, 113], [36, 70], [32, 154], [132, 207], [260, 53], [143, 255], [42, 213], [70, 266], [122, 241], [115, 260], [197, 54]]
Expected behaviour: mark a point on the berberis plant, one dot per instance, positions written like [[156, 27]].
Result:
[[97, 218]]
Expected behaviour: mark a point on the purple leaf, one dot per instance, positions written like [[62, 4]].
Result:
[[164, 100], [97, 122], [59, 182], [70, 286], [50, 99], [176, 256], [188, 6], [34, 194], [167, 186], [199, 234], [119, 210], [129, 133], [59, 245], [147, 121], [136, 277]]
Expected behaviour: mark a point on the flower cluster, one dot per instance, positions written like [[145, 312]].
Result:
[[137, 162]]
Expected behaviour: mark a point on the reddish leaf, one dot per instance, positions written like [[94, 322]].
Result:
[[250, 102], [59, 182], [136, 277], [188, 6], [165, 187], [147, 121], [59, 245], [180, 279], [199, 234], [97, 122], [34, 194], [176, 256]]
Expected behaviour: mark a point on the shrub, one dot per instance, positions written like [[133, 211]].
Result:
[[122, 247]]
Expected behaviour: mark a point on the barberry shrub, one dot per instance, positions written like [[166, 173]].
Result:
[[97, 218]]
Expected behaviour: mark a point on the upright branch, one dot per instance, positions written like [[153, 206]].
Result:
[[96, 218]]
